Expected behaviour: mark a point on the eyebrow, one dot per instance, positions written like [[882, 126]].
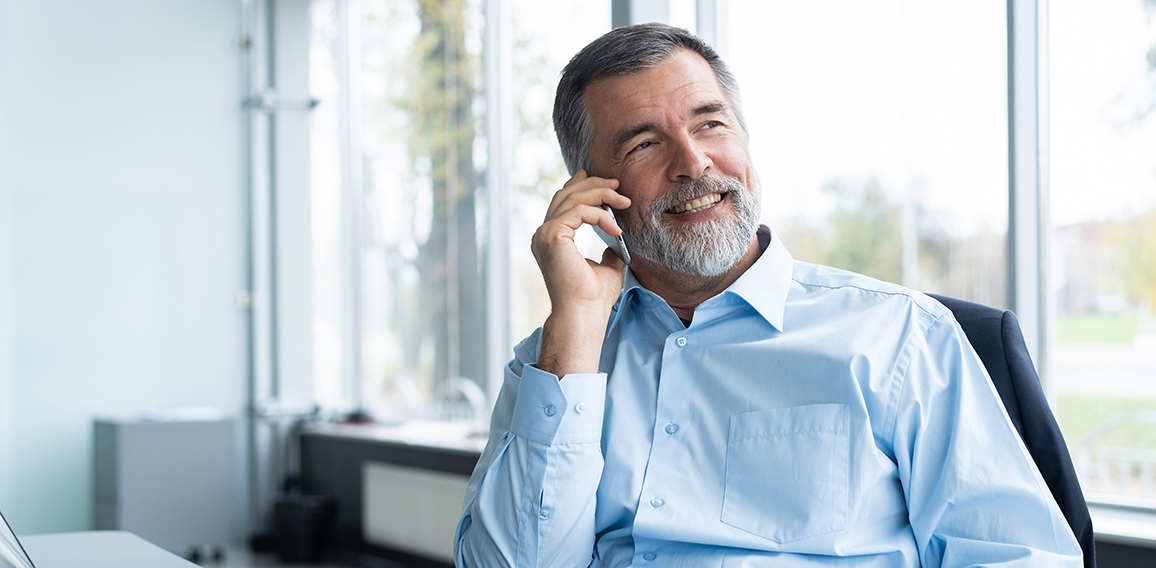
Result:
[[625, 136]]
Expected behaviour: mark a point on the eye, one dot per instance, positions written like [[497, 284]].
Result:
[[641, 146], [710, 124]]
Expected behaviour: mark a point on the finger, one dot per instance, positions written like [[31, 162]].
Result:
[[592, 196], [577, 177], [579, 215], [561, 229], [582, 195], [610, 259], [568, 187], [588, 190]]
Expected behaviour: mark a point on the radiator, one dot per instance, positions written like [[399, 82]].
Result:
[[412, 510]]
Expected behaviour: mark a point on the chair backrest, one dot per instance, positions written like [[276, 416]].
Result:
[[996, 337]]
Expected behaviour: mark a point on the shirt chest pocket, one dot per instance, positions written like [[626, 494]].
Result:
[[787, 471]]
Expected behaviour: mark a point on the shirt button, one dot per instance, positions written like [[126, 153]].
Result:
[[550, 410], [649, 556], [681, 342], [580, 407], [544, 514], [671, 428], [656, 502]]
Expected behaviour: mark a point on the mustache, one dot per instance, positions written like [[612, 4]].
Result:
[[692, 188]]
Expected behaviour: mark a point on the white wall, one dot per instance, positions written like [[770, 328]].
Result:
[[5, 277], [122, 231]]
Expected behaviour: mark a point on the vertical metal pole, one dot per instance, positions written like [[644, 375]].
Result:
[[1046, 300], [1026, 204], [453, 189], [348, 65], [252, 14], [273, 390], [620, 13], [499, 141], [712, 21], [262, 387]]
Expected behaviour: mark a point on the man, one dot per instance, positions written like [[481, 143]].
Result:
[[717, 403]]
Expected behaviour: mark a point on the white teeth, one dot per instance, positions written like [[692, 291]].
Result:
[[698, 204]]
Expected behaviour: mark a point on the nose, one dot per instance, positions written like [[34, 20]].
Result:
[[689, 161]]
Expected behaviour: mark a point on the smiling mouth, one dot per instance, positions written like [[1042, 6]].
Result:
[[694, 206]]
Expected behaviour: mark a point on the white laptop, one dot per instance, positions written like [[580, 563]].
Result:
[[93, 549]]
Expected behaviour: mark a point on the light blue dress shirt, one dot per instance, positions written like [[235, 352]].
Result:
[[808, 416]]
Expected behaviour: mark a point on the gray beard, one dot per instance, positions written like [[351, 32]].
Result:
[[708, 248]]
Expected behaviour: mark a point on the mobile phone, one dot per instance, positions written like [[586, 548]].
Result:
[[616, 244]]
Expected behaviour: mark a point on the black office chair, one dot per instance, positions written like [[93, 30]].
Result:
[[997, 339]]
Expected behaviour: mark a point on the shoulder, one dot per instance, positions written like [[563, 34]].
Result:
[[849, 293]]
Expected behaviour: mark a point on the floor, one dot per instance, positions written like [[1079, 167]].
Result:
[[240, 556]]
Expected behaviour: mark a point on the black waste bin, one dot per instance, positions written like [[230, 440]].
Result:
[[302, 524]]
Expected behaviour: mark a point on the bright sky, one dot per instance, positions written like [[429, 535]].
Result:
[[911, 93], [1103, 163]]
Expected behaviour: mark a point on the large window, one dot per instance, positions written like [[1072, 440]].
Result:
[[545, 36], [880, 135], [404, 158], [880, 132], [1102, 122]]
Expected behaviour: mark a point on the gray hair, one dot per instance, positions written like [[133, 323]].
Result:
[[623, 51]]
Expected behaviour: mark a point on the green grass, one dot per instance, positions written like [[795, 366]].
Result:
[[1096, 329], [1078, 415]]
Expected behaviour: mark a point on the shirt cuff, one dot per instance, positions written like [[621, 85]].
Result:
[[551, 411]]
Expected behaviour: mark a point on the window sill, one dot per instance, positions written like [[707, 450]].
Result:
[[1116, 521]]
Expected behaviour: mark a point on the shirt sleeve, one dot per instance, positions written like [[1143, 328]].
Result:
[[531, 499], [974, 494]]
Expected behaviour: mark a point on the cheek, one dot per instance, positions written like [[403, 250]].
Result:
[[639, 192], [732, 159]]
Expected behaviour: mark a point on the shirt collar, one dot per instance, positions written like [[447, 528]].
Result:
[[766, 283], [764, 286]]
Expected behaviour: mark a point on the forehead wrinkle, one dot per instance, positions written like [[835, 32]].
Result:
[[713, 107]]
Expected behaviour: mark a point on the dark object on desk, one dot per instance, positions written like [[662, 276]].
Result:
[[358, 416], [997, 339], [302, 524]]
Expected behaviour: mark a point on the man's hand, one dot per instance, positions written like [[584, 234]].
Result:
[[582, 292]]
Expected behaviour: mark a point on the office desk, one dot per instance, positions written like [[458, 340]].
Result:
[[99, 549], [334, 459]]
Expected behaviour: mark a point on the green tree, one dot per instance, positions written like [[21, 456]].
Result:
[[444, 132], [1136, 241], [866, 231], [435, 89]]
